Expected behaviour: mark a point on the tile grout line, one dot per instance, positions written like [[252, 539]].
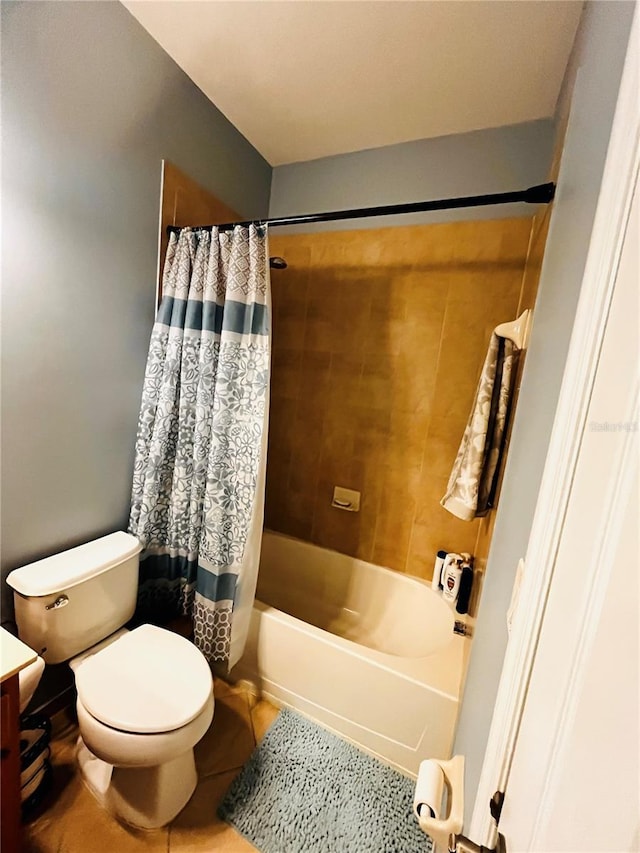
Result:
[[253, 727], [432, 413], [207, 776]]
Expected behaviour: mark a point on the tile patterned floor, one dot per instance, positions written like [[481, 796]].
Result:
[[70, 820]]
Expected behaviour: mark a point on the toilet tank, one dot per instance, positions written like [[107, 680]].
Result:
[[68, 602]]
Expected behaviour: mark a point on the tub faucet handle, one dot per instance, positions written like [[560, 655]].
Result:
[[461, 628]]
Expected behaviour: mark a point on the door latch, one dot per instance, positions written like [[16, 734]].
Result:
[[461, 844]]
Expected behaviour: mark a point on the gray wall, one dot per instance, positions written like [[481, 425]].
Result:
[[484, 161], [598, 59], [90, 106]]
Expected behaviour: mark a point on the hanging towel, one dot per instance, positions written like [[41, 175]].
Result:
[[472, 484]]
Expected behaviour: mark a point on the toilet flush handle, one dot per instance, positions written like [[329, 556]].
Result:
[[61, 601]]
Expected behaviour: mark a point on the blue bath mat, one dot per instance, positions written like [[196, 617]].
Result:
[[306, 791]]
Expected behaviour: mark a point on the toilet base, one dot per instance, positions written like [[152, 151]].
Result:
[[143, 797]]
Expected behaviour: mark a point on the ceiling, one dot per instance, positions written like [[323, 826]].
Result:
[[303, 79]]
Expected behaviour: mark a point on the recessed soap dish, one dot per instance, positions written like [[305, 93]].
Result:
[[346, 499]]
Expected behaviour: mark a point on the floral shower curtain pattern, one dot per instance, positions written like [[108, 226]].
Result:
[[197, 501]]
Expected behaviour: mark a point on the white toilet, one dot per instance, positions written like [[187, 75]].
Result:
[[145, 697]]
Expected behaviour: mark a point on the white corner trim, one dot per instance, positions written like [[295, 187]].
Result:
[[160, 259], [621, 169]]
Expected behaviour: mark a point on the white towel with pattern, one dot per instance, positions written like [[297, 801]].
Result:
[[473, 481]]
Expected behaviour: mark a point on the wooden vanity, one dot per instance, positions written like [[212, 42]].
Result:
[[14, 656]]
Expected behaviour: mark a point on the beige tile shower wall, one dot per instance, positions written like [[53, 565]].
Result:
[[528, 293], [379, 337]]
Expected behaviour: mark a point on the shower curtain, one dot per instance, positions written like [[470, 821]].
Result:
[[198, 486]]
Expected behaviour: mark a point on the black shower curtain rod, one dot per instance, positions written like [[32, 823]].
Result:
[[541, 194]]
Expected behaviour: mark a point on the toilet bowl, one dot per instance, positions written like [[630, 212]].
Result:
[[144, 701], [145, 697]]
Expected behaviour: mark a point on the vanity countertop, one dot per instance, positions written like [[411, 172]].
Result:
[[14, 655]]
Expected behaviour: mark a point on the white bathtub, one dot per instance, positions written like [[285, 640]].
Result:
[[364, 651]]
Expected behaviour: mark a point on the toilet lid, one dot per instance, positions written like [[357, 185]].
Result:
[[150, 680]]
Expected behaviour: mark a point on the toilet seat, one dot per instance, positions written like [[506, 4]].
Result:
[[148, 681]]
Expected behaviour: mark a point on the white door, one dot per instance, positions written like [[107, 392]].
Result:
[[564, 741], [573, 784]]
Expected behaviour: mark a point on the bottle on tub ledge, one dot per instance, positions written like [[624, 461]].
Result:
[[466, 582], [453, 574]]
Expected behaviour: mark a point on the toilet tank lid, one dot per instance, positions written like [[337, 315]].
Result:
[[69, 568]]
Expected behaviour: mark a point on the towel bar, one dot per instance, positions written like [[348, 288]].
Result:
[[517, 330]]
